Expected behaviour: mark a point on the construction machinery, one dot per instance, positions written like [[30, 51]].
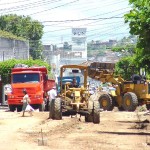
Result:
[[35, 81], [127, 94], [75, 100]]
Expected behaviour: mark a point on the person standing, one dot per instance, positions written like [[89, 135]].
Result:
[[74, 83], [51, 96], [25, 101], [52, 93]]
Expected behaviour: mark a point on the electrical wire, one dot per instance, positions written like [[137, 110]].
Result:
[[54, 7], [10, 3], [89, 19], [27, 6]]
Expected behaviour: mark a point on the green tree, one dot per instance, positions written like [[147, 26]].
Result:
[[139, 22], [6, 66], [27, 28], [126, 67]]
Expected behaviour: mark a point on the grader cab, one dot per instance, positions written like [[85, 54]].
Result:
[[128, 94], [74, 100]]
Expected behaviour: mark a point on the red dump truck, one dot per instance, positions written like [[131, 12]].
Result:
[[35, 81]]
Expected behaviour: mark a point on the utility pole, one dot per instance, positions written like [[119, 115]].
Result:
[[14, 49], [3, 55]]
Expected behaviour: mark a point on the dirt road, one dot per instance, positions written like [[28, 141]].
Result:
[[117, 131]]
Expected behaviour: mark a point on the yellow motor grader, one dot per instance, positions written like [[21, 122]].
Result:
[[128, 94], [75, 100]]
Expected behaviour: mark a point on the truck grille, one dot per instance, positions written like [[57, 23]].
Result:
[[29, 90]]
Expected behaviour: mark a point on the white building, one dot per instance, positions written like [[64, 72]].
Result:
[[79, 44]]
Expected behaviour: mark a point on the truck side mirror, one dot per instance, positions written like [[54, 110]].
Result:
[[46, 77]]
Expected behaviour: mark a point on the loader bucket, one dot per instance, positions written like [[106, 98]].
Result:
[[96, 68]]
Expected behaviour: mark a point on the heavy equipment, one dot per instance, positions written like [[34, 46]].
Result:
[[128, 94], [35, 81], [75, 100]]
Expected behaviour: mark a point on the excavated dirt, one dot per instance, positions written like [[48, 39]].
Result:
[[117, 131]]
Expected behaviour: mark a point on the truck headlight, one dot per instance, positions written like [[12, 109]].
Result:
[[11, 96], [37, 96]]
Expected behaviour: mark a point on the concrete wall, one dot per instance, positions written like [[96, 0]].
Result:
[[10, 49]]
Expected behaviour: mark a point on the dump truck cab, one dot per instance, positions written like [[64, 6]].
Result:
[[35, 81]]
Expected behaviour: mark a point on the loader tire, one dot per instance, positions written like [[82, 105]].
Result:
[[106, 102], [130, 101], [57, 109], [96, 112]]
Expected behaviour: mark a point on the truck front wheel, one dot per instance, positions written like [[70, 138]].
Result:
[[12, 107], [42, 107]]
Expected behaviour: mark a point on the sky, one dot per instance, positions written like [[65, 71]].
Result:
[[103, 19]]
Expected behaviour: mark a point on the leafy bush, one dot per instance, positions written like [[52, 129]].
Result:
[[9, 35], [6, 66]]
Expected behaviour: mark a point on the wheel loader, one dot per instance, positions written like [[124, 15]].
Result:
[[128, 94], [75, 100]]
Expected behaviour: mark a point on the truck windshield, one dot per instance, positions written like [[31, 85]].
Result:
[[25, 77]]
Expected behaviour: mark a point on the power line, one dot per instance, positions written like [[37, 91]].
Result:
[[60, 30], [54, 7], [94, 16], [90, 30], [27, 6], [91, 20], [84, 19], [103, 33], [14, 2], [100, 38], [105, 5]]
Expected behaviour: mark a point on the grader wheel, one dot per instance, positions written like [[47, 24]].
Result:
[[106, 102], [55, 109], [130, 101], [89, 116], [58, 109], [94, 114], [51, 110]]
